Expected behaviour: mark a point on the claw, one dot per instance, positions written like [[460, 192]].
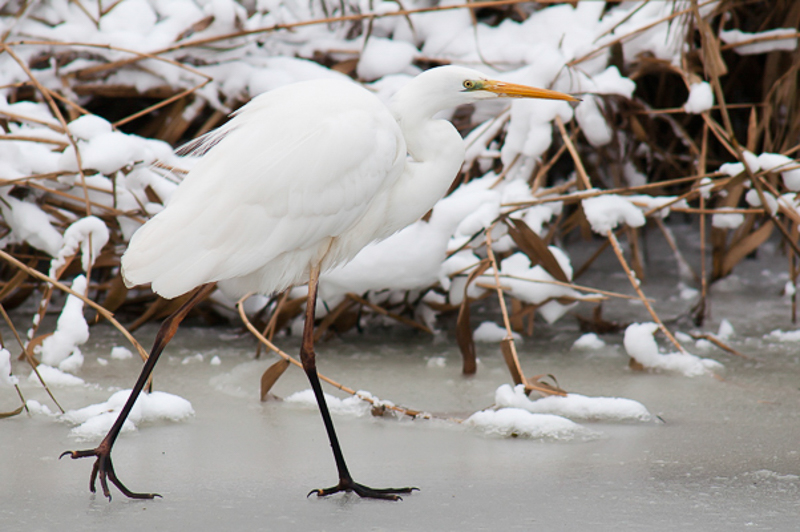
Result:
[[347, 485], [104, 468]]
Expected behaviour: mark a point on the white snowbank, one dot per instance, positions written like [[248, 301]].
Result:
[[573, 406], [94, 421], [61, 348], [517, 422], [642, 347]]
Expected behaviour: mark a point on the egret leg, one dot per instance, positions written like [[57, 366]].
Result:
[[308, 358], [103, 468]]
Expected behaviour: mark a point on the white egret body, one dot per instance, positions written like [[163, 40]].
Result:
[[304, 175], [301, 179]]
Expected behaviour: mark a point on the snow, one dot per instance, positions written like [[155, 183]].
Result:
[[641, 346], [723, 220], [490, 332], [573, 406], [6, 378], [726, 330], [752, 197], [30, 224], [121, 353], [788, 168], [517, 422], [382, 57], [55, 377], [89, 234], [701, 98], [351, 406], [93, 421], [606, 212], [61, 348], [784, 336], [736, 36], [589, 342]]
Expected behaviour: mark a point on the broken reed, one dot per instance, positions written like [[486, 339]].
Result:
[[757, 109]]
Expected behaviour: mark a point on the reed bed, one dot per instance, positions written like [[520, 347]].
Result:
[[177, 97]]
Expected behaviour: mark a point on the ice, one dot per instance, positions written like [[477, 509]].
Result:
[[641, 346], [573, 406]]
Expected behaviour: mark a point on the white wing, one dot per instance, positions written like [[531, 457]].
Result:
[[296, 169]]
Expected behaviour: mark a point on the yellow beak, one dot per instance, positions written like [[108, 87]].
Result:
[[512, 90]]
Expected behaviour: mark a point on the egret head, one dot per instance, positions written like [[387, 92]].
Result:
[[446, 87]]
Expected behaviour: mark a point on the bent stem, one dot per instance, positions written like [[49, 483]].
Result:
[[612, 238], [337, 385]]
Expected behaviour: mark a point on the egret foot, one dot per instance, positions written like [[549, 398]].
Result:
[[361, 490], [105, 469]]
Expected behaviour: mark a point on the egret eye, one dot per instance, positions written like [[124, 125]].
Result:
[[468, 84]]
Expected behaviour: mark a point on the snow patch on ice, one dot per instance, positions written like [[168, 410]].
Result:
[[94, 421], [574, 406], [641, 346]]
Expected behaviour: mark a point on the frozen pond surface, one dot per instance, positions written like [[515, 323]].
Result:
[[725, 458]]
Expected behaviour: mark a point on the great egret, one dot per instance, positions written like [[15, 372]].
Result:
[[298, 181]]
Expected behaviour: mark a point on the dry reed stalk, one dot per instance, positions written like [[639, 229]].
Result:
[[382, 311], [46, 94], [29, 357], [101, 310], [288, 358], [507, 345], [612, 238]]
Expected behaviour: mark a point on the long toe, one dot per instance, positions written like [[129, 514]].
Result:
[[389, 494]]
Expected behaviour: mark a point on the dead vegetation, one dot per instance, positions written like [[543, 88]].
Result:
[[757, 110]]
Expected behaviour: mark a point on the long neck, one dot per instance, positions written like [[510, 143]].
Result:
[[436, 153]]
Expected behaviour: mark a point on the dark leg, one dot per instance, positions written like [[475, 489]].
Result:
[[103, 466], [308, 357]]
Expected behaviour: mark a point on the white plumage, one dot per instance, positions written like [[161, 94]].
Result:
[[306, 175]]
